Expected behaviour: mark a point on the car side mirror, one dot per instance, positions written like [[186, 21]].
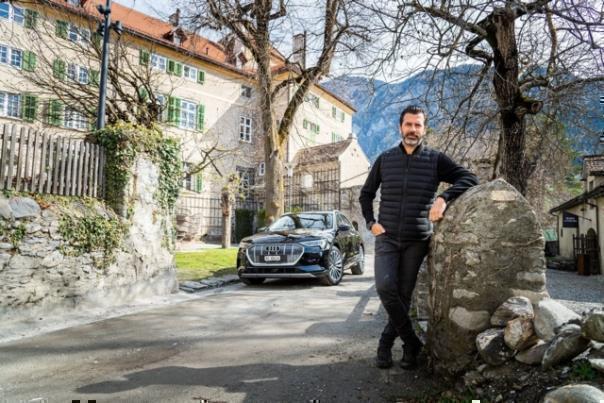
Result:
[[344, 227]]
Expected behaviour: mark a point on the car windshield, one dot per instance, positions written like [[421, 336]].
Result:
[[319, 221]]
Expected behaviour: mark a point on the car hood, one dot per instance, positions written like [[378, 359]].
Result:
[[297, 235]]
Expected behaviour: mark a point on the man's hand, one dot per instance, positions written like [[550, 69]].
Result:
[[438, 209], [377, 229]]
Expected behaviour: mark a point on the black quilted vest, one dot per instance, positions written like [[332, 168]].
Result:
[[408, 189]]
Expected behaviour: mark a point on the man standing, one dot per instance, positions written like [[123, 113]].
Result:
[[409, 175]]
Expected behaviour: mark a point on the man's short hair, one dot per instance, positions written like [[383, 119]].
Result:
[[414, 110]]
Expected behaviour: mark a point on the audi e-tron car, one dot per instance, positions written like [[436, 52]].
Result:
[[311, 244]]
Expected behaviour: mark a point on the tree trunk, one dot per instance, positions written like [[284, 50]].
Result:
[[273, 148], [512, 105], [225, 204]]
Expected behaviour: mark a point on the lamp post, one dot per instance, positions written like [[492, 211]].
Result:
[[104, 31]]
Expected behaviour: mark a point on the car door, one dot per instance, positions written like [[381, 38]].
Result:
[[343, 237], [354, 238]]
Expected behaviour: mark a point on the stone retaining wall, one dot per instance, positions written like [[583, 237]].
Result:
[[39, 269]]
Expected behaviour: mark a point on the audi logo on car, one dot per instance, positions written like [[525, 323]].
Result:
[[272, 249]]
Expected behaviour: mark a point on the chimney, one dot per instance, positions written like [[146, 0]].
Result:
[[299, 49], [174, 19]]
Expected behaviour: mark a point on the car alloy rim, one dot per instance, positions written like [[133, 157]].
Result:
[[335, 264]]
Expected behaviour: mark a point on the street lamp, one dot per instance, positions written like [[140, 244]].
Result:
[[104, 31]]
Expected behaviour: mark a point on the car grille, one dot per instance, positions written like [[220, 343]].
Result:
[[275, 254]]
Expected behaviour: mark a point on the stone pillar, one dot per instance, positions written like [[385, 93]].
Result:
[[489, 247]]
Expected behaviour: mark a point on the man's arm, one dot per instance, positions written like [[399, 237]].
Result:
[[369, 189], [459, 177]]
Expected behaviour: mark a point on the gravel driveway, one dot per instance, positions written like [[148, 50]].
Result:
[[579, 293]]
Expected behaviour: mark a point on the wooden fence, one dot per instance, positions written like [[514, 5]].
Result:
[[31, 161]]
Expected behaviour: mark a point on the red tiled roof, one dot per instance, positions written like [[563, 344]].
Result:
[[155, 29]]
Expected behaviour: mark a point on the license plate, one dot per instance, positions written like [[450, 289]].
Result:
[[272, 258]]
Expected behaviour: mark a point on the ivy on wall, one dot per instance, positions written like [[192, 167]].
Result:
[[123, 142]]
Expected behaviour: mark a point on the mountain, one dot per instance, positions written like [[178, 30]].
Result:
[[379, 105]]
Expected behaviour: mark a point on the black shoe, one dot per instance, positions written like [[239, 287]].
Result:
[[384, 358], [411, 350]]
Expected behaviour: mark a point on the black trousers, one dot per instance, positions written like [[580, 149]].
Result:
[[396, 267]]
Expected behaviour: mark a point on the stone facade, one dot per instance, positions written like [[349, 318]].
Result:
[[488, 248], [40, 271]]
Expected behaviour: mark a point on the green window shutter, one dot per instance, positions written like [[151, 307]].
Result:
[[305, 124], [55, 113], [143, 57], [61, 29], [178, 70], [318, 129], [174, 111], [94, 78], [29, 107], [342, 117], [200, 117], [29, 61], [31, 19], [198, 182], [171, 66], [201, 76], [58, 69], [96, 39], [333, 111], [143, 94]]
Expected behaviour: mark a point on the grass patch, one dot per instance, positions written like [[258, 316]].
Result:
[[206, 263]]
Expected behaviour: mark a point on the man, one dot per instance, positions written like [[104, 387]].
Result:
[[409, 175]]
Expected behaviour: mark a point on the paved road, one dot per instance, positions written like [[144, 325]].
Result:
[[283, 341]]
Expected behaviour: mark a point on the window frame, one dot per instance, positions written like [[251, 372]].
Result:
[[188, 115], [74, 119], [191, 69], [11, 14], [245, 122], [5, 105], [157, 58], [246, 91]]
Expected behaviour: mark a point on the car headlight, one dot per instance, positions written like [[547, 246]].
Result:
[[323, 243]]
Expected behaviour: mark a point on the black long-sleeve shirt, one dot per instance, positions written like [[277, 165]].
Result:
[[447, 170]]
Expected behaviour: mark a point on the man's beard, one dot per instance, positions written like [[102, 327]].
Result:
[[411, 141]]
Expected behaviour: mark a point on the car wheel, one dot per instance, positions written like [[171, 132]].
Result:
[[359, 268], [335, 267], [252, 280]]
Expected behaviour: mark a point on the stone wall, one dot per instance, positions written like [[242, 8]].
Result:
[[40, 269], [350, 206], [488, 248]]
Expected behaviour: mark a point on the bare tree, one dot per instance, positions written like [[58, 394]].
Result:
[[253, 24], [531, 52]]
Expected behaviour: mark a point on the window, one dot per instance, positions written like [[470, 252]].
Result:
[[335, 137], [76, 34], [75, 119], [342, 116], [245, 129], [72, 71], [334, 112], [10, 105], [188, 112], [246, 180], [190, 72], [4, 51], [193, 182], [246, 91], [11, 56], [11, 13], [314, 128], [158, 62], [16, 58], [83, 76], [73, 2], [261, 169]]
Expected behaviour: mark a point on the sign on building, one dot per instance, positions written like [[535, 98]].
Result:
[[570, 220]]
